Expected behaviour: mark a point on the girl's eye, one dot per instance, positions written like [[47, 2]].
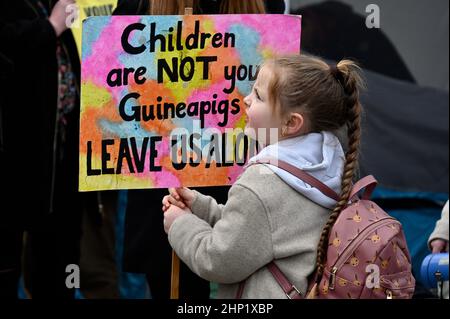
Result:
[[257, 95]]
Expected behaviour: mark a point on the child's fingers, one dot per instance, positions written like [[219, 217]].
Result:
[[183, 191], [174, 193], [177, 203], [166, 203], [165, 200], [170, 200]]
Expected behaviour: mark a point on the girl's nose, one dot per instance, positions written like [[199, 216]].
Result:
[[247, 101]]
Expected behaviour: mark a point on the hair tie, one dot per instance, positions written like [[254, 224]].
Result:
[[334, 71], [337, 74]]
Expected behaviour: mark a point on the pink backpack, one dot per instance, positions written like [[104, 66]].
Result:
[[367, 257]]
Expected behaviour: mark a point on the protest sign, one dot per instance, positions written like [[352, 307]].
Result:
[[162, 96]]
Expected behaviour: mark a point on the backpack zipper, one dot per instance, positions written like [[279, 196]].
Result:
[[348, 251]]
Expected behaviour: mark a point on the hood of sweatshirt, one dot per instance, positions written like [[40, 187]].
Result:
[[319, 154]]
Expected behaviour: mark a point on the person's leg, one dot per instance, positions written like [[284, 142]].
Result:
[[10, 262], [44, 267], [159, 283], [146, 248], [54, 245], [192, 286], [99, 275]]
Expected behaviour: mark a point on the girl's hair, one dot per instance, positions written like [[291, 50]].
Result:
[[174, 7], [328, 97]]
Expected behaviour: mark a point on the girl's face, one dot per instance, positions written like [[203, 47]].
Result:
[[261, 115]]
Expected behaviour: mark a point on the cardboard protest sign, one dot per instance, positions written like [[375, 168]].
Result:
[[162, 96], [90, 8]]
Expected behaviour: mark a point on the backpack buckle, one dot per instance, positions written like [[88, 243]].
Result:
[[292, 294]]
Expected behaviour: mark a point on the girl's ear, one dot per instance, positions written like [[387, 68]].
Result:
[[295, 124]]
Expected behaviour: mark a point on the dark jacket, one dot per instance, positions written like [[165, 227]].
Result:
[[35, 177]]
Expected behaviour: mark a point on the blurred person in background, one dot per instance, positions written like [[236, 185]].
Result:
[[39, 156], [438, 243]]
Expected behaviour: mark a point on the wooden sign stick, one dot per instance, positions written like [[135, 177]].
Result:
[[175, 277]]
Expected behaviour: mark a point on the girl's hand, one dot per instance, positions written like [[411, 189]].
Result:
[[171, 214], [180, 197], [438, 246], [62, 14]]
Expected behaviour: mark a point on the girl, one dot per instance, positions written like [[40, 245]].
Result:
[[276, 217], [146, 249]]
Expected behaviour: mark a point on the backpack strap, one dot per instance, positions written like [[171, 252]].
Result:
[[289, 289], [369, 183], [302, 175], [240, 291]]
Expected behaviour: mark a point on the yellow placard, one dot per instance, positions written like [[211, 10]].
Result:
[[89, 8]]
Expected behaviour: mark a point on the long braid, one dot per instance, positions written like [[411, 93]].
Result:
[[351, 83]]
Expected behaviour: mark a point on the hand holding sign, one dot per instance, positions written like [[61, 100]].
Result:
[[172, 214], [60, 14], [180, 197]]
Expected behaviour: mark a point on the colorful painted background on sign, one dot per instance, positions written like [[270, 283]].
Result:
[[146, 77]]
